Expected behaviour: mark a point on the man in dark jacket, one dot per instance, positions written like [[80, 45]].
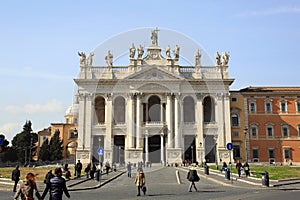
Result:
[[15, 176], [57, 186], [78, 168]]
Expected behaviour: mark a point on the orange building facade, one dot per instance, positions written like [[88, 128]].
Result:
[[272, 118]]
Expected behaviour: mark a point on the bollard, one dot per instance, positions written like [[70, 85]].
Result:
[[227, 174], [206, 169], [98, 175], [178, 177], [265, 179]]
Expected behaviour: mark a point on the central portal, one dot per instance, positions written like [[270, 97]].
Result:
[[154, 149]]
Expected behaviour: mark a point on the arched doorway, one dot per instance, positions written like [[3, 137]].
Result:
[[154, 149], [210, 149], [189, 149], [118, 149]]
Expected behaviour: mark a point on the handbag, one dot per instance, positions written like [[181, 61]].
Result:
[[144, 189]]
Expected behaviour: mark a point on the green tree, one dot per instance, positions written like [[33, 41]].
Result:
[[23, 142], [44, 153], [56, 147], [4, 149]]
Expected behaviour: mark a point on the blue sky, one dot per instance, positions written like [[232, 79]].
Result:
[[39, 42]]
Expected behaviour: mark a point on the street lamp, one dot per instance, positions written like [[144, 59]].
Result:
[[246, 149], [216, 151], [75, 132], [192, 148], [200, 145], [99, 147]]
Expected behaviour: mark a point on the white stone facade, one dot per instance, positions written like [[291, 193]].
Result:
[[153, 110]]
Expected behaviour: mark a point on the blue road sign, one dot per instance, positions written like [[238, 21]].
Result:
[[1, 141], [229, 146], [100, 151]]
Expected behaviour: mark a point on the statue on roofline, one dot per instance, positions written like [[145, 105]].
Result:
[[109, 59], [82, 60]]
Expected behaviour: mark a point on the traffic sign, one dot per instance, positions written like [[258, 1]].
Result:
[[229, 146], [100, 151]]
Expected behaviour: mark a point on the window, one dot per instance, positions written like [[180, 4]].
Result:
[[285, 131], [254, 131], [235, 134], [298, 106], [287, 153], [236, 151], [283, 106], [299, 130], [252, 107], [271, 153], [233, 99], [255, 153], [270, 131], [234, 120], [45, 138], [268, 106]]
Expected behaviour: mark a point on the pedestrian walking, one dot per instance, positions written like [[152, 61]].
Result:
[[246, 169], [78, 168], [48, 176], [15, 176], [140, 182], [193, 177], [87, 170], [129, 169], [224, 166], [28, 188], [93, 170], [107, 167], [57, 186], [66, 172], [239, 166]]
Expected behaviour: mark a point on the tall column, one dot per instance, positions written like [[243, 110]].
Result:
[[176, 122], [227, 117], [130, 119], [108, 122], [138, 121], [146, 146], [81, 122], [147, 113], [162, 152], [88, 122], [169, 119], [199, 121], [161, 112]]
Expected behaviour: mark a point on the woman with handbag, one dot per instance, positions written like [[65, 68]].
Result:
[[140, 182], [28, 188]]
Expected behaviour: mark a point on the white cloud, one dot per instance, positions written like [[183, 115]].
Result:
[[51, 106], [8, 127], [272, 11]]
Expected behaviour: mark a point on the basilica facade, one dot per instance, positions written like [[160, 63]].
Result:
[[153, 110]]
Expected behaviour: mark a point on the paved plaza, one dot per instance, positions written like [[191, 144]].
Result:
[[162, 183]]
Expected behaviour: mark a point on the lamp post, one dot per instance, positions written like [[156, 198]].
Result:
[[75, 148], [200, 145], [99, 153], [246, 149], [120, 155], [216, 151], [192, 148]]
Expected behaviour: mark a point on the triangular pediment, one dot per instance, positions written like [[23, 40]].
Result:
[[154, 73]]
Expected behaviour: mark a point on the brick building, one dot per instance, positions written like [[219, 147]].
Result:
[[272, 115]]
